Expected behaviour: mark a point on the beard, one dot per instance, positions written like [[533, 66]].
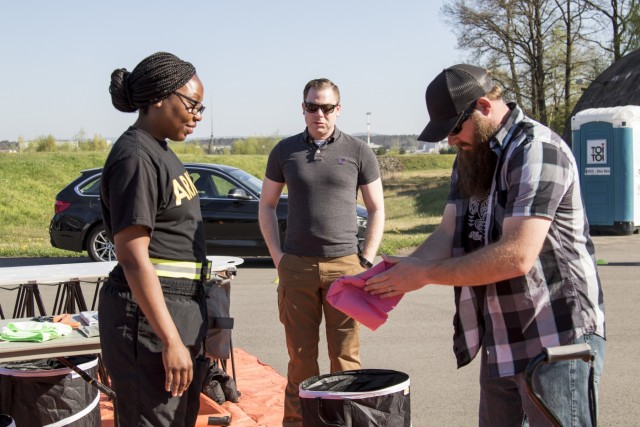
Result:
[[477, 165]]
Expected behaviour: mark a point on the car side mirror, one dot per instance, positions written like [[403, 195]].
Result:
[[238, 194]]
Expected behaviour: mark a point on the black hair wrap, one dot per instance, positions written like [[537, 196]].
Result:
[[152, 80]]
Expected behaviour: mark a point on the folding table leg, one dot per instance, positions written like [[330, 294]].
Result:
[[38, 300], [28, 297], [78, 296], [233, 361], [95, 293], [18, 308], [68, 297]]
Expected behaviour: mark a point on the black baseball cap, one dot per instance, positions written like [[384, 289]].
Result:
[[449, 94]]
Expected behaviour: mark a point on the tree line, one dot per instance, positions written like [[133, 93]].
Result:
[[396, 144], [544, 52], [48, 143]]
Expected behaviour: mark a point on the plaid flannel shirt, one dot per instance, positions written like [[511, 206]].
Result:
[[560, 298]]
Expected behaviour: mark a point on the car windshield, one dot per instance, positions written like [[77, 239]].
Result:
[[247, 179]]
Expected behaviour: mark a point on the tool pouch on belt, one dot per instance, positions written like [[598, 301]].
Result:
[[218, 340]]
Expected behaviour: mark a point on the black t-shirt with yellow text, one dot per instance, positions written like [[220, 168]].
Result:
[[144, 183]]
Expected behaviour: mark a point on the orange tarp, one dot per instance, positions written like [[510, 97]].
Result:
[[261, 402]]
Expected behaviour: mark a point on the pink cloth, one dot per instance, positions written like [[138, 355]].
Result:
[[346, 294]]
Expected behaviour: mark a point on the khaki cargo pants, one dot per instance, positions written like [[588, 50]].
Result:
[[302, 290]]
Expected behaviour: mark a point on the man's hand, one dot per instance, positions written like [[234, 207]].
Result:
[[404, 276], [178, 368]]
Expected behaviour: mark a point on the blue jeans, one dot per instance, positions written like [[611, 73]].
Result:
[[562, 385]]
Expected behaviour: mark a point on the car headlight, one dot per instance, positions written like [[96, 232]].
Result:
[[362, 221]]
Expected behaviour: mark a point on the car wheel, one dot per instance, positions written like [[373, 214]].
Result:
[[99, 246]]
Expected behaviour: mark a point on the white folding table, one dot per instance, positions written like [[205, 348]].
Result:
[[26, 280]]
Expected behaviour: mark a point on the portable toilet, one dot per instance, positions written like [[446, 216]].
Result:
[[606, 145]]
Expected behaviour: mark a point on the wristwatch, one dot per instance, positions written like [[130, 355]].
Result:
[[364, 262]]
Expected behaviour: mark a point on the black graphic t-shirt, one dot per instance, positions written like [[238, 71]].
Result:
[[475, 224], [144, 183]]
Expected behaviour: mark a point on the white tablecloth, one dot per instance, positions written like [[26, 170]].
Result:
[[56, 273]]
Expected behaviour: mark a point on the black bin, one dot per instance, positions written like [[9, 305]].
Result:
[[359, 398], [44, 392]]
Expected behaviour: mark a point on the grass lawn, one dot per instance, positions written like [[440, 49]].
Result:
[[29, 182], [414, 201]]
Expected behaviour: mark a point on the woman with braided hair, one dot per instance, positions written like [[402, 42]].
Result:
[[152, 308]]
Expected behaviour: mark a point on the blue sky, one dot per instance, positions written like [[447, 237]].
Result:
[[253, 56]]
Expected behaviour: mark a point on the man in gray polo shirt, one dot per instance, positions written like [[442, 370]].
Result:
[[322, 168]]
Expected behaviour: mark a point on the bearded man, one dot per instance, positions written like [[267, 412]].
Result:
[[514, 242]]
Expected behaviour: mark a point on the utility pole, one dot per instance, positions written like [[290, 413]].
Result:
[[369, 129], [211, 139]]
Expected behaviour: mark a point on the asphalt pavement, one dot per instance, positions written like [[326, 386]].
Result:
[[417, 337]]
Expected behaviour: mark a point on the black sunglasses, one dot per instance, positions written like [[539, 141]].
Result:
[[310, 107], [463, 118], [194, 108]]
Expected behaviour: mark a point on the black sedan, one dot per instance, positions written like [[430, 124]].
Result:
[[228, 200]]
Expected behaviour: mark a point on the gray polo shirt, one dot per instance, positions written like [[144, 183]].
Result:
[[322, 184]]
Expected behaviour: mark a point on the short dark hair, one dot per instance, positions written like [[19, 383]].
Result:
[[320, 84], [152, 80]]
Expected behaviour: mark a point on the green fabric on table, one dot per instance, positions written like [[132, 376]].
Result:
[[34, 331]]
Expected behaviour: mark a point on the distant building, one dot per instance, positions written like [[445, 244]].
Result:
[[8, 146], [73, 143], [218, 149], [433, 147]]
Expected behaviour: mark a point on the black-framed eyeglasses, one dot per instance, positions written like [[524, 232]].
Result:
[[463, 118], [310, 107], [194, 106]]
